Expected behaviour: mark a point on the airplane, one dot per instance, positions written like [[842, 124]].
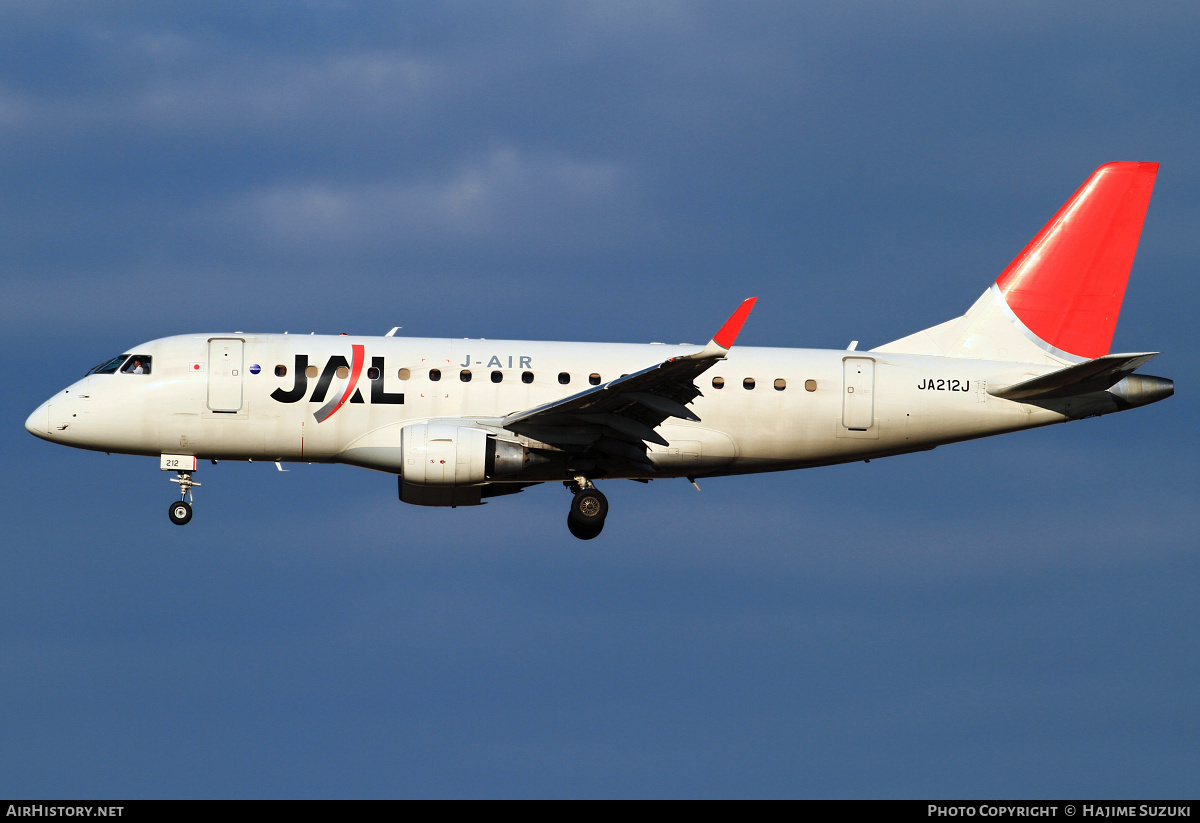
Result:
[[459, 422]]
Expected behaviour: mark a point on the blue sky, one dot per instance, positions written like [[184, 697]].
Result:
[[1015, 617]]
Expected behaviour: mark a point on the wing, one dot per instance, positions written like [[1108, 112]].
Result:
[[615, 420]]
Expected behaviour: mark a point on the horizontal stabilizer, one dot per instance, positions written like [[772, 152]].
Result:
[[1082, 378]]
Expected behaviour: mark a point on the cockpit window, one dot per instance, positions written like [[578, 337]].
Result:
[[108, 366], [137, 364]]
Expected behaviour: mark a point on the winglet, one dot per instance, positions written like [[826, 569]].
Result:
[[722, 341], [729, 332]]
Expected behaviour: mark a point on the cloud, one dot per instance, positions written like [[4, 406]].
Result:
[[504, 198], [271, 91]]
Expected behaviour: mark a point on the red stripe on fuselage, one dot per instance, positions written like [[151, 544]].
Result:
[[356, 365]]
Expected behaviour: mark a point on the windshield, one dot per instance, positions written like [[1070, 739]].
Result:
[[138, 364], [108, 366]]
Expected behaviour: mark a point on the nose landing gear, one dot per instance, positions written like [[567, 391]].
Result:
[[588, 509], [181, 512]]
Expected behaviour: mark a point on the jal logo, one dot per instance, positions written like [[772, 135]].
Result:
[[346, 391]]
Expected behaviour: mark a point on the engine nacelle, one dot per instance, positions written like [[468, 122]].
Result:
[[443, 454], [444, 463]]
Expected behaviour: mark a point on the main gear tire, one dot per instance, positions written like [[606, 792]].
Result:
[[583, 531], [588, 507]]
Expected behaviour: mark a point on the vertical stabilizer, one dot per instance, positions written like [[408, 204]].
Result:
[[1059, 300]]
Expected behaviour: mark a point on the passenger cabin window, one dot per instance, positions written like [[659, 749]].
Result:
[[137, 364], [372, 373], [403, 374], [748, 383], [343, 372], [564, 378], [594, 379], [810, 385], [497, 376], [465, 375], [108, 366], [281, 371], [780, 384], [526, 377], [435, 375], [718, 382], [310, 372]]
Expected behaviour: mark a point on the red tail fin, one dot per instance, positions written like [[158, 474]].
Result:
[[1066, 286]]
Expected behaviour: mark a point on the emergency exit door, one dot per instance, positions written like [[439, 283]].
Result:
[[225, 374], [858, 393]]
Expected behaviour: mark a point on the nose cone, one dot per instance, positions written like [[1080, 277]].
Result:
[[38, 423]]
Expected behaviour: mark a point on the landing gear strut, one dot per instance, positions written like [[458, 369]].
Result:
[[588, 509], [181, 512]]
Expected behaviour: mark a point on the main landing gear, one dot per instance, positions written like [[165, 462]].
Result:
[[181, 512], [588, 509]]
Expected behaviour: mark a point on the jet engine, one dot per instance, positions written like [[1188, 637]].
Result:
[[445, 463]]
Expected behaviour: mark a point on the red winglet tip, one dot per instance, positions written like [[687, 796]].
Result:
[[729, 332]]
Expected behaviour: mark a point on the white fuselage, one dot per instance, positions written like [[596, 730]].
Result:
[[829, 407], [458, 421]]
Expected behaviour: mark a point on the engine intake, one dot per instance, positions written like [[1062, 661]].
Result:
[[443, 454]]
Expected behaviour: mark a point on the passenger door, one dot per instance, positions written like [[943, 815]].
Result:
[[225, 374], [858, 393]]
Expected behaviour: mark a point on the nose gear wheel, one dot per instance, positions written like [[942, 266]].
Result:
[[181, 512]]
